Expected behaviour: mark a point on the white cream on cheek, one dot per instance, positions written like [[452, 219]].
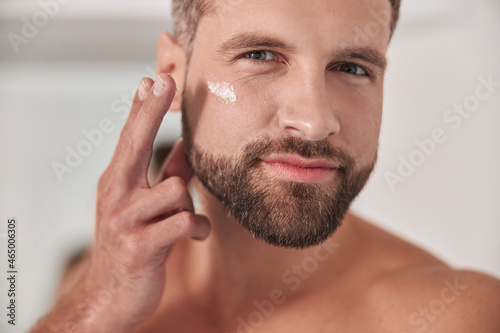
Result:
[[223, 91]]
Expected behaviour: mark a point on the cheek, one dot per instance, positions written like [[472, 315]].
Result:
[[229, 115], [360, 122], [255, 108]]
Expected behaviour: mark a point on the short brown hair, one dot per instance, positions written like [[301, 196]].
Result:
[[187, 13]]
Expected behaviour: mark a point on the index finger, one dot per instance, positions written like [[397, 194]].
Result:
[[133, 152], [142, 90]]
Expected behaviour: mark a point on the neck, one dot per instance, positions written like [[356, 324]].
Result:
[[231, 265]]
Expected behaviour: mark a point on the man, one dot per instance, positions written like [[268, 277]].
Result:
[[282, 104]]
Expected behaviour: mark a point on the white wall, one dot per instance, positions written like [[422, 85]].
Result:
[[75, 71], [451, 203]]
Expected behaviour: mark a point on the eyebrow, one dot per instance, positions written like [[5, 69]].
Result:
[[366, 54], [260, 41], [252, 40]]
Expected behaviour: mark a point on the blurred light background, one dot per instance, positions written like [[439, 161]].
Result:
[[83, 64]]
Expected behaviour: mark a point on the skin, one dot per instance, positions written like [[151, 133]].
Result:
[[364, 280]]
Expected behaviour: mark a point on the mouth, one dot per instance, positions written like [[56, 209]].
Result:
[[301, 170]]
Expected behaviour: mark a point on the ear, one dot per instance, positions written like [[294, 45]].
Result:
[[172, 59]]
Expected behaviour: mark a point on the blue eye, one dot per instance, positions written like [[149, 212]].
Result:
[[350, 68], [261, 55]]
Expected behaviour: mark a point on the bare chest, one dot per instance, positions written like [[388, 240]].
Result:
[[264, 316]]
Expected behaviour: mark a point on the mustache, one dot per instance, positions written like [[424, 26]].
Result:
[[256, 150]]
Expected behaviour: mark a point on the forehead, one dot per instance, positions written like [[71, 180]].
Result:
[[346, 22]]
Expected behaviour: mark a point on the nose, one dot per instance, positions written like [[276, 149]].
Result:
[[309, 113]]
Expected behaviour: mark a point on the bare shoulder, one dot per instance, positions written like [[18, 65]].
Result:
[[416, 292], [436, 299]]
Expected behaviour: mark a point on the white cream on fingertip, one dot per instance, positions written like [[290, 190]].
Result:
[[223, 91]]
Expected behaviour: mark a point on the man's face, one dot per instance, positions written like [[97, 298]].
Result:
[[282, 109]]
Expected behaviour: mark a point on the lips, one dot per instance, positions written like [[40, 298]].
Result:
[[301, 170]]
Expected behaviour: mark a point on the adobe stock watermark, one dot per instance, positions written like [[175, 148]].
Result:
[[31, 26], [94, 137], [422, 319], [292, 279], [453, 119]]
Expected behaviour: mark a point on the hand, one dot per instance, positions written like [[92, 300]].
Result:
[[136, 223]]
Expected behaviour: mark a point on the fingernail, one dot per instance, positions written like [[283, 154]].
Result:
[[176, 88], [142, 92], [159, 86]]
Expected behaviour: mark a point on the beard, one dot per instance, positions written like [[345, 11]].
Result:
[[277, 211]]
